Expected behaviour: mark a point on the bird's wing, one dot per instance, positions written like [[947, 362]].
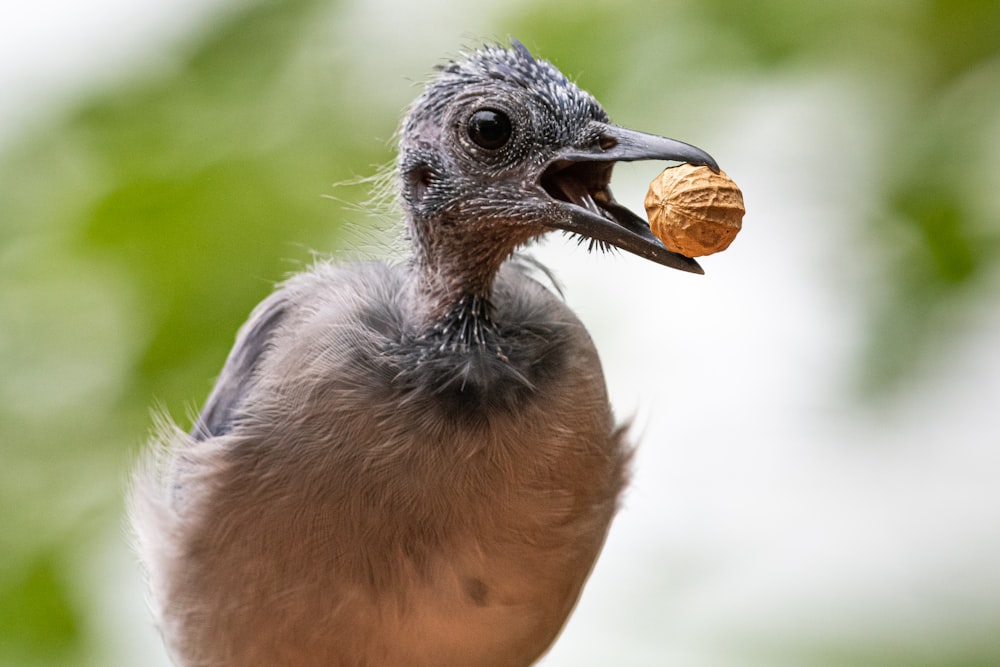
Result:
[[220, 410]]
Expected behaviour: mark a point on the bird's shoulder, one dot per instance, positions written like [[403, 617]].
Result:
[[349, 330], [358, 323]]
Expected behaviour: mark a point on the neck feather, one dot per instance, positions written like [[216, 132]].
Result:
[[454, 265]]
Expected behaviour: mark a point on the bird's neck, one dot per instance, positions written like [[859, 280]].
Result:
[[453, 299], [453, 272], [468, 323]]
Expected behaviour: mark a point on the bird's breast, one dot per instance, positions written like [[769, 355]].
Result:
[[390, 487]]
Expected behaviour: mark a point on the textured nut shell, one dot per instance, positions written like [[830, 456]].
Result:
[[693, 210]]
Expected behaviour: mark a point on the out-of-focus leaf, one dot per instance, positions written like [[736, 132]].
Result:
[[39, 623]]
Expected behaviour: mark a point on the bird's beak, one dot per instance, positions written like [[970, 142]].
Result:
[[578, 178]]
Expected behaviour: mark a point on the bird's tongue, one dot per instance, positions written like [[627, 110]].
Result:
[[568, 186], [577, 193]]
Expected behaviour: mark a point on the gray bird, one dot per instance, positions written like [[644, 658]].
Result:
[[415, 464]]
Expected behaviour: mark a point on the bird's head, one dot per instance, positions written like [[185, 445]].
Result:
[[501, 147]]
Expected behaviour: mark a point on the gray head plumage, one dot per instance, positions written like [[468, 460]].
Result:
[[505, 75], [441, 164], [500, 148]]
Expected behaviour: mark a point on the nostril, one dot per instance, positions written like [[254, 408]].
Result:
[[607, 143]]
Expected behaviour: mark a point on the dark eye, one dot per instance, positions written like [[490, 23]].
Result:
[[489, 129]]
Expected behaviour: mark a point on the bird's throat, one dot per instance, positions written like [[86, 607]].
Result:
[[453, 275], [454, 309]]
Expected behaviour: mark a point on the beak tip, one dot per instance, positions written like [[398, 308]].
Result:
[[692, 266], [705, 160]]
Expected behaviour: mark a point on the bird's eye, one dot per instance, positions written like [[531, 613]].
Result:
[[489, 128]]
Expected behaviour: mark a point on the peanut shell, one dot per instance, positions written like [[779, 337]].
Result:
[[693, 210]]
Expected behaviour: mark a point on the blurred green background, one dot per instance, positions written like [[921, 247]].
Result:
[[142, 219]]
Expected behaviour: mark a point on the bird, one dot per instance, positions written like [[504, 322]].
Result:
[[415, 462]]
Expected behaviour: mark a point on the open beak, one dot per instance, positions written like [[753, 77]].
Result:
[[578, 178]]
